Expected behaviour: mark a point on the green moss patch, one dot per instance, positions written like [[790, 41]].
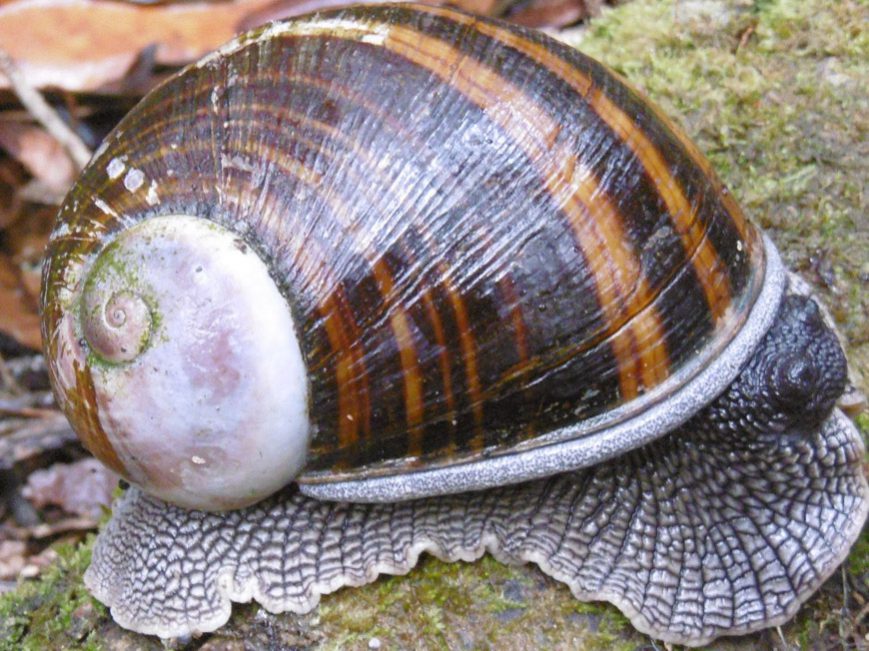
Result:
[[55, 612]]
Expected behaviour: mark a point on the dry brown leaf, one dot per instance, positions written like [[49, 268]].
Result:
[[19, 316], [88, 45], [482, 7], [12, 177], [23, 441], [81, 45], [553, 13], [83, 487], [279, 9], [25, 242], [42, 155], [12, 558]]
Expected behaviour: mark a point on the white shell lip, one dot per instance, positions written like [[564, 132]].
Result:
[[212, 412], [591, 441]]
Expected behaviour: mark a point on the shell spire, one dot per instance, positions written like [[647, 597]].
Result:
[[163, 377]]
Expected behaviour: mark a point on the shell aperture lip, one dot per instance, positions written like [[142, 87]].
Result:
[[198, 376]]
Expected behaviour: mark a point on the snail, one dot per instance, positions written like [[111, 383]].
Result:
[[392, 279]]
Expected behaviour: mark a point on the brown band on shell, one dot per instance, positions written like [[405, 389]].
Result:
[[520, 337], [469, 357], [602, 240], [349, 408], [409, 363], [86, 416], [635, 330], [710, 270], [444, 363]]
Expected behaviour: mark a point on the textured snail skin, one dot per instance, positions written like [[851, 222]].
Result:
[[692, 537], [491, 249]]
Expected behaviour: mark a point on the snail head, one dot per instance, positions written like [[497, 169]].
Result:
[[792, 382]]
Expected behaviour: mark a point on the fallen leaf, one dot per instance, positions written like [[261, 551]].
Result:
[[81, 45], [12, 558], [12, 177], [42, 155], [482, 7], [19, 317], [24, 441], [553, 13], [71, 526], [25, 242], [280, 9], [83, 487]]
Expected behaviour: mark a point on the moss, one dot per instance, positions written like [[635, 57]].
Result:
[[858, 561], [482, 605], [41, 614]]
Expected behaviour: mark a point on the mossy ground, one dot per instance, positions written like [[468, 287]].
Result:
[[774, 92], [53, 612]]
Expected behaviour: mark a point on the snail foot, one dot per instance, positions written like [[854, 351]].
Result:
[[690, 537]]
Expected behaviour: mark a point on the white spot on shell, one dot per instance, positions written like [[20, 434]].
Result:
[[100, 150], [134, 179], [61, 231], [65, 296], [106, 208], [116, 168], [199, 461], [381, 32], [236, 162], [152, 198]]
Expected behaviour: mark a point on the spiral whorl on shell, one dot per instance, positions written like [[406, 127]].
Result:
[[476, 238]]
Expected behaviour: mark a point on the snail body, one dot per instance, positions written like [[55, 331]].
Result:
[[396, 253]]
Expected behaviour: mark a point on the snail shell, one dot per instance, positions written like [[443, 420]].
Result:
[[401, 252]]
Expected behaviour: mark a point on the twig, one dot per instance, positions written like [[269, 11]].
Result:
[[35, 401], [21, 411], [781, 636], [743, 39], [844, 586], [78, 523], [35, 103], [8, 380]]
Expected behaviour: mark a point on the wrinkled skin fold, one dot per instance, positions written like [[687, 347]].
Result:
[[694, 536]]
